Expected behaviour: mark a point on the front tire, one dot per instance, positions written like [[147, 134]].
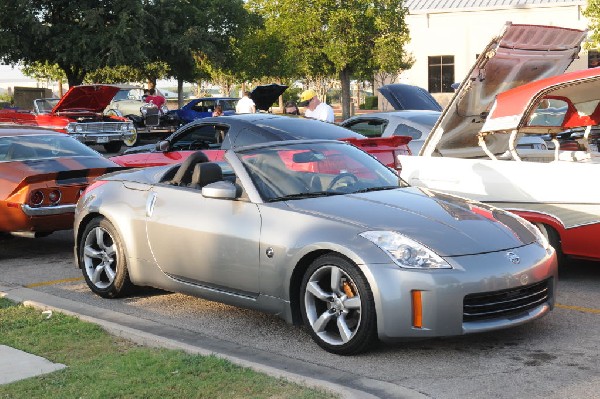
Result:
[[113, 146], [133, 141], [554, 239], [102, 260], [337, 306]]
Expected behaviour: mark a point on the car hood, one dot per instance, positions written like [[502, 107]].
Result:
[[94, 98], [265, 95], [408, 97], [519, 55], [16, 175], [449, 225]]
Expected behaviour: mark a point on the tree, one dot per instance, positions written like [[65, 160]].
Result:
[[78, 36], [335, 37], [180, 31], [45, 71], [592, 12]]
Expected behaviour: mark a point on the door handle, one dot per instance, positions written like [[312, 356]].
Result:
[[150, 204]]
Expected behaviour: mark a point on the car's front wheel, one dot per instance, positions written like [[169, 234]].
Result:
[[102, 259], [337, 306], [132, 141], [113, 146]]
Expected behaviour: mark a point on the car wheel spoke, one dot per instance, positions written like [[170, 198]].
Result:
[[345, 332], [320, 324], [110, 273], [352, 303], [316, 291], [336, 277], [111, 250], [95, 277], [91, 252], [99, 233]]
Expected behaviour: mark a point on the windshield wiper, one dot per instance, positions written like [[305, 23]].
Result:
[[304, 195], [369, 189]]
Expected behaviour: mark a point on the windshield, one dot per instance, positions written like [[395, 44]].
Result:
[[304, 170], [45, 105], [25, 148]]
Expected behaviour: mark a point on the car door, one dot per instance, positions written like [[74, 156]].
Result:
[[205, 241]]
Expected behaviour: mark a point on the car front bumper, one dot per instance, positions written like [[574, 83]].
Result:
[[510, 293]]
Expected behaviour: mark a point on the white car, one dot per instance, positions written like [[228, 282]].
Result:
[[472, 151]]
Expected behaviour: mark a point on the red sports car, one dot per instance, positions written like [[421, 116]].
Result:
[[216, 135], [42, 175], [79, 113]]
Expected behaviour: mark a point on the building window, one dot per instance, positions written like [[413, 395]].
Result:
[[441, 73], [593, 58]]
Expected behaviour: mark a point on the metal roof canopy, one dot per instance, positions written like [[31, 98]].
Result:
[[440, 6]]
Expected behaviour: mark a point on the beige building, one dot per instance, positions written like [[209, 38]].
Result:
[[448, 35]]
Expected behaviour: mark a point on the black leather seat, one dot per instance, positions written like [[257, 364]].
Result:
[[183, 177], [205, 173]]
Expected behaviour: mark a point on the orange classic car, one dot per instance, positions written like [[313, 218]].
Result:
[[42, 175]]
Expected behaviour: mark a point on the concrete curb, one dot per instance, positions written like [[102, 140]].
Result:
[[43, 301]]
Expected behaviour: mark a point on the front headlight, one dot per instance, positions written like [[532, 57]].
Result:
[[405, 252]]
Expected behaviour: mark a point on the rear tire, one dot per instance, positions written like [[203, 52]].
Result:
[[102, 260], [337, 306], [113, 146]]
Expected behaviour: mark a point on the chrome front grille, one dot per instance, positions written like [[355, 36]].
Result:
[[505, 303], [101, 127]]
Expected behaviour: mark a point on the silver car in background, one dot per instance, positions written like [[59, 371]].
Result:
[[321, 234]]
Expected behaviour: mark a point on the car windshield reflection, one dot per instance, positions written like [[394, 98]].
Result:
[[307, 170]]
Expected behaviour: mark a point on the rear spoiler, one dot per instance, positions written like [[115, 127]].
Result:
[[386, 149]]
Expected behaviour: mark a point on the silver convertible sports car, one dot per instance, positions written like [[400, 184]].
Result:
[[320, 233]]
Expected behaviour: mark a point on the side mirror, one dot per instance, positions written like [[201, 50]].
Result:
[[163, 145], [220, 190]]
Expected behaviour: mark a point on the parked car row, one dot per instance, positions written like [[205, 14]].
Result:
[[288, 216]]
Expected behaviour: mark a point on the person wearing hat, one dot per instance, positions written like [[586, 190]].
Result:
[[315, 109]]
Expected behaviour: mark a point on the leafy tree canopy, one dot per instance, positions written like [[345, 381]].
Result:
[[349, 38], [592, 12], [78, 36]]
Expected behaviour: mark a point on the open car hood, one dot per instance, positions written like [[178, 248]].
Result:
[[92, 98], [265, 95], [408, 97], [519, 55]]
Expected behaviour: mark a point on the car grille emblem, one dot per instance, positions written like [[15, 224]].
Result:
[[513, 257]]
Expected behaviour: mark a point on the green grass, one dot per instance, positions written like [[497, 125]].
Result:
[[104, 366]]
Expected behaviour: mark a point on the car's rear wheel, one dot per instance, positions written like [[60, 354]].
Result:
[[337, 306], [113, 146], [102, 259]]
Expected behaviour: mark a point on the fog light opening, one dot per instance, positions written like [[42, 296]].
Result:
[[417, 309]]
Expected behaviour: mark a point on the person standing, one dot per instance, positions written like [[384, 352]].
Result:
[[315, 109], [155, 98], [245, 105]]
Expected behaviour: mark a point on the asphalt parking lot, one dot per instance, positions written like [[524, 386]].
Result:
[[555, 357]]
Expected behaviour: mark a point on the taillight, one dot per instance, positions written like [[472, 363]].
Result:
[[36, 198], [54, 196]]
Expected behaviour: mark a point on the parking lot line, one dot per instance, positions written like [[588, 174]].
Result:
[[579, 308], [52, 282]]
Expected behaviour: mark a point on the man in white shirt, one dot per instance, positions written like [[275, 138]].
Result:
[[245, 105], [315, 109]]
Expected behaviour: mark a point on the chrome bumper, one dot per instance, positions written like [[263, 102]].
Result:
[[48, 210]]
